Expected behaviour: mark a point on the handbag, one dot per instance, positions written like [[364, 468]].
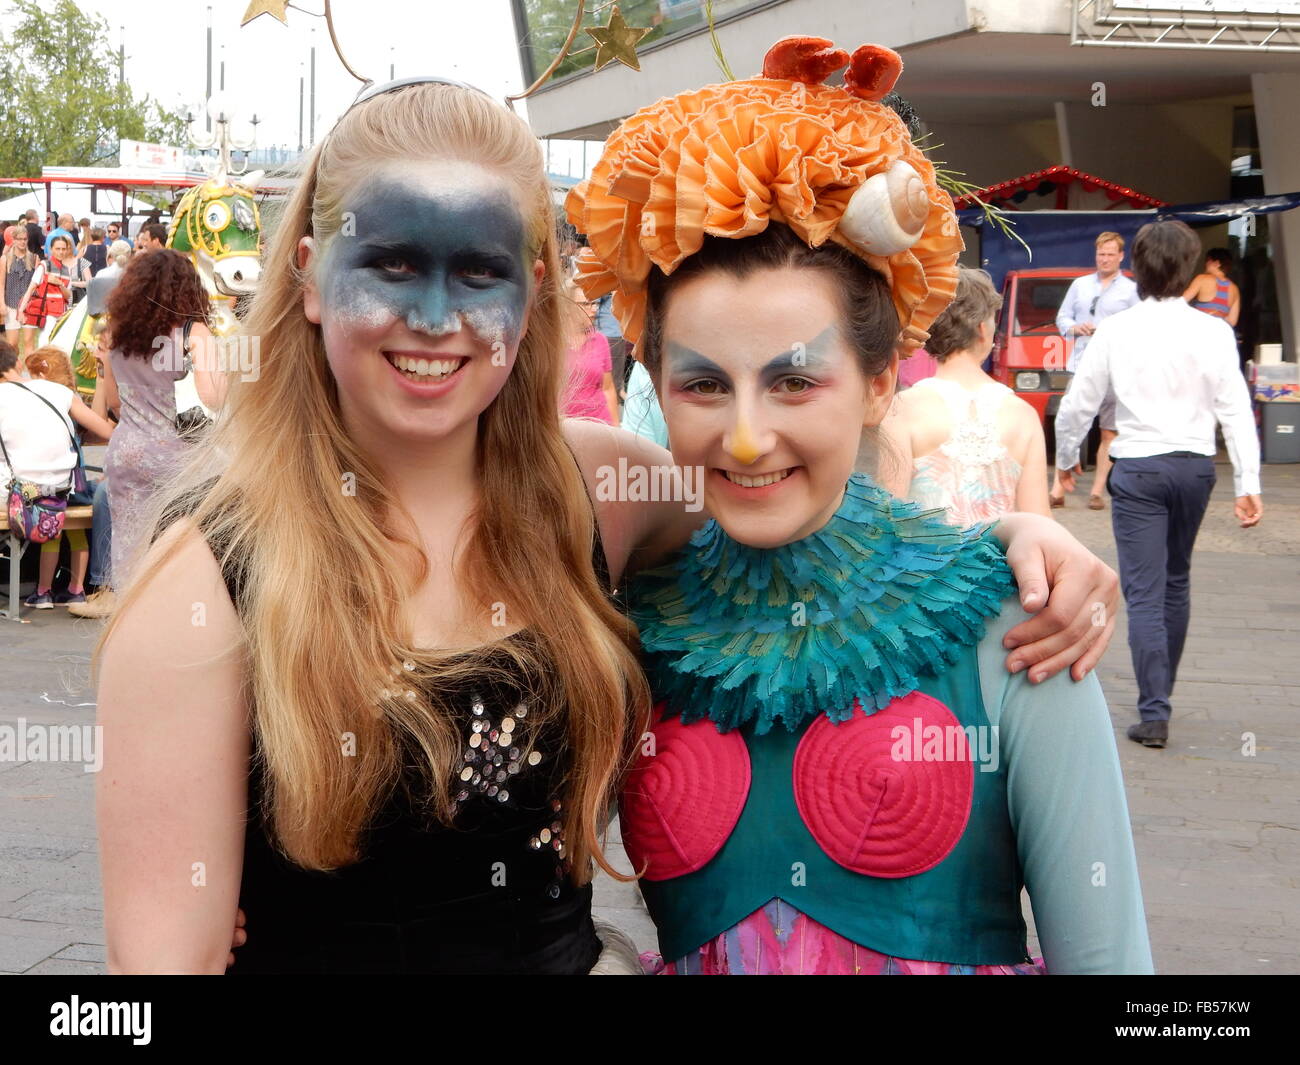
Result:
[[37, 511], [192, 416]]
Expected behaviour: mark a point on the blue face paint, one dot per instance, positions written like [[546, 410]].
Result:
[[435, 259], [812, 357], [686, 365]]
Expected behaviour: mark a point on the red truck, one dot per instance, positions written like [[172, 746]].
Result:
[[1029, 356]]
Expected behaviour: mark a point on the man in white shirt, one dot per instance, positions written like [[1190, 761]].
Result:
[[1173, 371], [1090, 299]]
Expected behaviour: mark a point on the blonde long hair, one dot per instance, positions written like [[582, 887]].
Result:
[[321, 570]]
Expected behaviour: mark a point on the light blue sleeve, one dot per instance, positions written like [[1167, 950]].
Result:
[[641, 412], [1084, 397], [1068, 316], [1069, 813]]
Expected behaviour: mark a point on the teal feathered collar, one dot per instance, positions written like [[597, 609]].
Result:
[[881, 594]]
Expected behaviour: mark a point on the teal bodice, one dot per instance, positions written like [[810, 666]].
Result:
[[964, 910], [822, 738]]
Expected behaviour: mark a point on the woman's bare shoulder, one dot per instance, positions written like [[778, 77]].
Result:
[[182, 613]]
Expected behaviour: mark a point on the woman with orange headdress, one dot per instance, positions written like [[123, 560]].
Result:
[[840, 777]]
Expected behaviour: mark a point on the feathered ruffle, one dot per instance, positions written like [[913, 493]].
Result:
[[856, 613], [728, 159]]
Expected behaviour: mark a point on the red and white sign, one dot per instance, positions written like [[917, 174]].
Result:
[[150, 156]]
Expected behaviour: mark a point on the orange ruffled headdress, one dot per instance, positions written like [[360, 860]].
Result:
[[831, 163]]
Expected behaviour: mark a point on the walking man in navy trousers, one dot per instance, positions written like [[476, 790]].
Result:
[[1174, 372]]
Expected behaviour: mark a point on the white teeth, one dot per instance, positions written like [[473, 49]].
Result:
[[435, 368], [756, 482]]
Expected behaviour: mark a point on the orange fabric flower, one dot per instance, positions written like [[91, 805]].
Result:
[[728, 159]]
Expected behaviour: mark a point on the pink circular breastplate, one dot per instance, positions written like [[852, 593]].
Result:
[[870, 790], [875, 796], [683, 796]]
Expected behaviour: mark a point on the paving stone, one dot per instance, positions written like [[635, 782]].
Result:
[[57, 967], [94, 952], [20, 953]]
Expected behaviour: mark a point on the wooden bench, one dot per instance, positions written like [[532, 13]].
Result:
[[76, 518]]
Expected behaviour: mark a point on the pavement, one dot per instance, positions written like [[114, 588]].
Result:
[[1216, 814]]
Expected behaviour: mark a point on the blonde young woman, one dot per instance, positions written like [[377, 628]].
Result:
[[378, 626]]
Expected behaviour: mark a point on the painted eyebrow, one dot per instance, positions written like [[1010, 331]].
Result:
[[689, 361], [813, 353]]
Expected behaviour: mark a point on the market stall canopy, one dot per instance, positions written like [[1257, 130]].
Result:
[[1070, 189], [1068, 238]]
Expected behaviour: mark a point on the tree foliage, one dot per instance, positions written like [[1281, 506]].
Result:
[[60, 100]]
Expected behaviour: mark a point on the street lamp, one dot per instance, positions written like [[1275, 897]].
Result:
[[224, 136]]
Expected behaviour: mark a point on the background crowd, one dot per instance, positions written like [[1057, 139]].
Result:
[[145, 292]]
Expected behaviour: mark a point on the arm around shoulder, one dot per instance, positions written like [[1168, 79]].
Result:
[[628, 478], [171, 796]]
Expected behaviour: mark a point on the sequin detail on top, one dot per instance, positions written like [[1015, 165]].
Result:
[[549, 840], [778, 940], [971, 476], [494, 753]]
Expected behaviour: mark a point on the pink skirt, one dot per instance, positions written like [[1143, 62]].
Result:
[[778, 940]]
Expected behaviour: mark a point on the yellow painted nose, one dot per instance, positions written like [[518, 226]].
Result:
[[741, 445]]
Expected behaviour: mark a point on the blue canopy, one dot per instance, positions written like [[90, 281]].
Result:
[[1068, 238]]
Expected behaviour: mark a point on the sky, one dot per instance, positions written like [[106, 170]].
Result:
[[470, 40]]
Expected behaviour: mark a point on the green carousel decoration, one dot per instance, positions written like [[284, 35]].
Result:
[[217, 224]]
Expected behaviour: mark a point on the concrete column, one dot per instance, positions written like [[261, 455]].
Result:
[[1279, 145]]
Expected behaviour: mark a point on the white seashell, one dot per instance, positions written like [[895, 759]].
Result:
[[887, 213]]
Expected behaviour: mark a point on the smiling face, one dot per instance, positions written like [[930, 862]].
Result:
[[761, 387], [422, 297]]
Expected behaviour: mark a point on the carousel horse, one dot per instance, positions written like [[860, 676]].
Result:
[[218, 225]]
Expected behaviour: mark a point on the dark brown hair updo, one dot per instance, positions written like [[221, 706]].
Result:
[[867, 305], [158, 292], [957, 328]]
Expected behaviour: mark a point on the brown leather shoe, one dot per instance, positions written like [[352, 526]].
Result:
[[97, 605], [1096, 503]]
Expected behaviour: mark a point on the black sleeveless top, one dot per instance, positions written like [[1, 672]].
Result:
[[490, 894]]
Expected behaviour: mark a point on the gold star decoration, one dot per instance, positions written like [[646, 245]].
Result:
[[617, 40], [274, 8]]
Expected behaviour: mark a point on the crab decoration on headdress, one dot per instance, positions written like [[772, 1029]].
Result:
[[831, 163]]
